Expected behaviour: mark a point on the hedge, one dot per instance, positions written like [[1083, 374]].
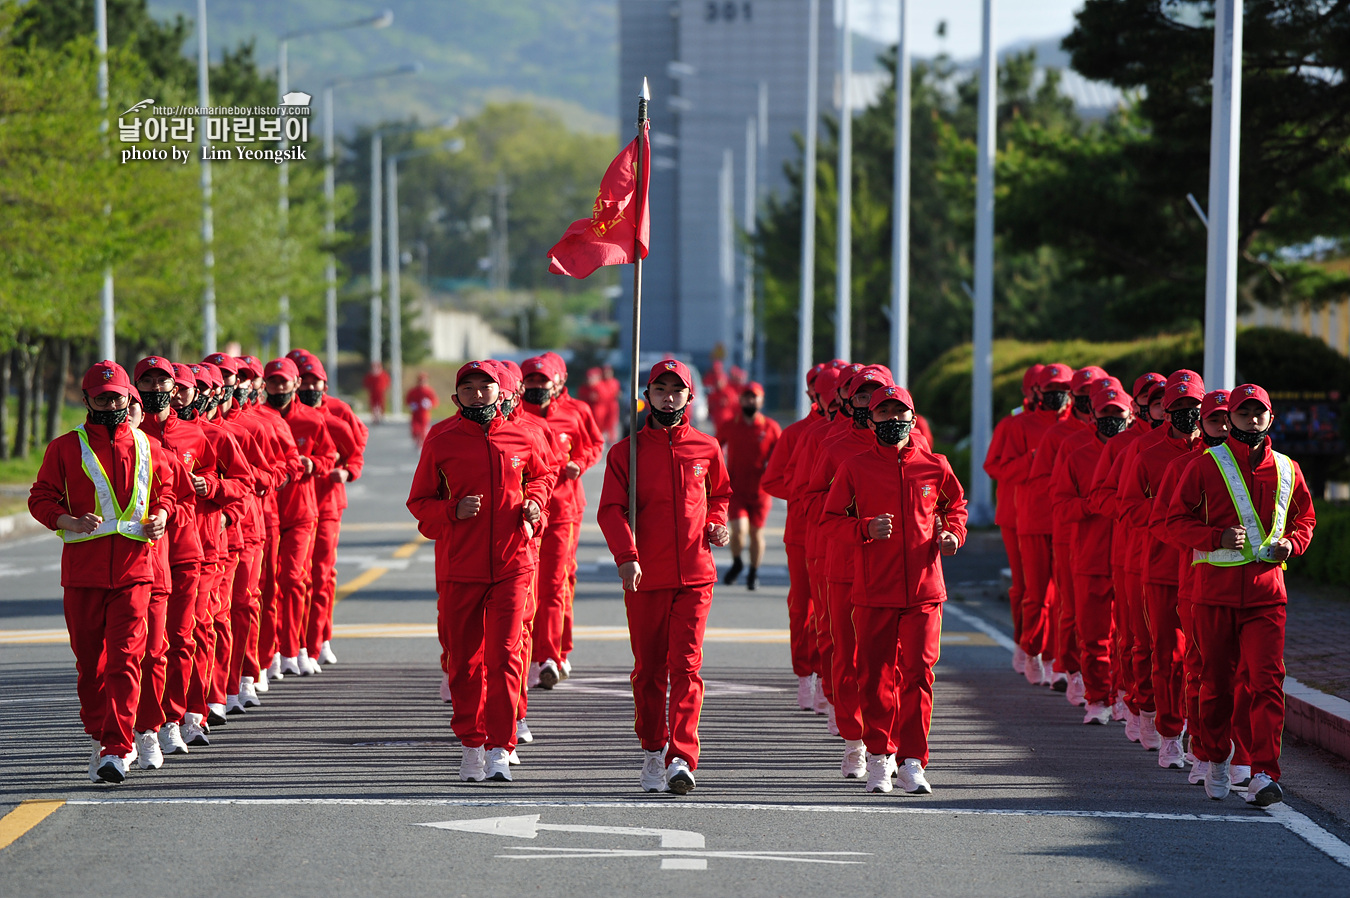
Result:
[[1328, 557]]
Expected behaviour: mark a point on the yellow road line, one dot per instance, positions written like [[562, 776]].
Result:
[[388, 525], [23, 818], [369, 576], [407, 549]]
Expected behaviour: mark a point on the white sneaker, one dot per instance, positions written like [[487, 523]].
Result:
[[653, 771], [1034, 670], [1241, 774], [193, 732], [1119, 709], [1170, 754], [1131, 725], [233, 705], [260, 684], [513, 759], [804, 690], [564, 669], [248, 693], [892, 767], [445, 687], [878, 773], [148, 754], [833, 721], [819, 699], [94, 759], [112, 769], [498, 766], [471, 764], [274, 669], [291, 665], [548, 674], [1263, 792], [215, 715], [523, 733], [1218, 780], [1019, 659], [910, 778], [1148, 730], [1058, 681], [307, 664], [1076, 691], [171, 740], [1097, 713], [1198, 773], [326, 655], [532, 678], [679, 778], [854, 765]]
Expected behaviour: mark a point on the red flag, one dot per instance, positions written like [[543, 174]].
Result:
[[606, 238]]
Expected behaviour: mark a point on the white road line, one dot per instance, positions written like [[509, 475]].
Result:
[[980, 624], [1310, 832]]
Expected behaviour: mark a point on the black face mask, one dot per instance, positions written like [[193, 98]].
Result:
[[1054, 400], [1247, 437], [535, 395], [1082, 405], [749, 411], [1155, 423], [187, 412], [241, 395], [1185, 420], [1214, 441], [109, 418], [861, 415], [479, 414], [1110, 427], [155, 402], [891, 433], [507, 406], [279, 400], [311, 398], [667, 419]]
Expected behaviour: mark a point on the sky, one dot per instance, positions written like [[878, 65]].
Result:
[[1014, 21]]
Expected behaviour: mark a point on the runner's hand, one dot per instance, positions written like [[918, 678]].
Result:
[[468, 507], [339, 475], [881, 527], [1233, 538], [718, 534], [530, 511], [85, 523], [158, 524], [307, 463], [199, 485], [631, 575], [571, 471], [1280, 550], [948, 543]]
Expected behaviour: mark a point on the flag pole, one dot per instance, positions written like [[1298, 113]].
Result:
[[637, 312]]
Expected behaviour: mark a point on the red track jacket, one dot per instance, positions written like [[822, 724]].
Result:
[[834, 450], [570, 432], [301, 431], [1024, 435], [777, 479], [1043, 471], [1090, 533], [1139, 494]]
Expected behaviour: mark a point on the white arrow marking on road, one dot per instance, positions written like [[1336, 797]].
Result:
[[527, 826]]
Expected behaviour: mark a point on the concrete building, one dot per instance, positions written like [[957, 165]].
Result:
[[704, 61]]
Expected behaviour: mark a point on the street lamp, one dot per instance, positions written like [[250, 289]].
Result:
[[381, 19], [395, 303], [329, 157]]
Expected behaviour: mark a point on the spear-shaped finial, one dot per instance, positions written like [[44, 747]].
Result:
[[646, 91]]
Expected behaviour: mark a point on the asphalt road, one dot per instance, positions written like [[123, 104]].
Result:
[[345, 783]]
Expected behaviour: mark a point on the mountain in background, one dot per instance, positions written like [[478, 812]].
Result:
[[559, 54]]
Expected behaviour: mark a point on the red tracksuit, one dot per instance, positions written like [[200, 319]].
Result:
[[1034, 532], [483, 565], [420, 401], [1090, 560], [682, 487], [749, 446], [996, 464], [838, 574], [150, 713], [597, 440], [898, 588], [1239, 611], [331, 499], [244, 605], [106, 580], [777, 481], [306, 429]]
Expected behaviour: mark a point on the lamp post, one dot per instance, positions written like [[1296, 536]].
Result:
[[329, 227], [106, 330], [380, 20], [208, 228], [843, 284], [1221, 256], [807, 301], [981, 391], [900, 214]]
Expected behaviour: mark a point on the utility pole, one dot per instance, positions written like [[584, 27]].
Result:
[[106, 329], [208, 226], [844, 225], [806, 308], [1224, 143], [981, 392], [900, 212]]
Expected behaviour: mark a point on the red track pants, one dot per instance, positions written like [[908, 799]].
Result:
[[801, 632], [267, 600], [1018, 588], [149, 710], [1231, 638], [483, 623], [1066, 607], [1169, 650], [820, 620], [224, 632], [107, 634], [244, 613], [1140, 646], [294, 555], [551, 612], [571, 592], [1122, 671], [1094, 599], [897, 648], [204, 638], [848, 713], [665, 629], [323, 585], [1039, 598]]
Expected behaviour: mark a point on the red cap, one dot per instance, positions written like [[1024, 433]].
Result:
[[106, 377], [183, 376], [1156, 391], [838, 363], [1214, 401], [282, 368], [226, 363], [311, 365], [753, 387], [152, 363], [815, 369], [1181, 384], [680, 369], [826, 382], [888, 392], [208, 374], [1146, 382], [1242, 392], [876, 374], [1083, 377], [251, 365], [1055, 377], [1110, 397], [1104, 382], [507, 379], [508, 365], [559, 365], [1031, 377], [299, 355], [738, 375], [541, 364], [483, 367]]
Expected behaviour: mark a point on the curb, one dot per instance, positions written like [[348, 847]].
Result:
[[1316, 717], [18, 525]]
